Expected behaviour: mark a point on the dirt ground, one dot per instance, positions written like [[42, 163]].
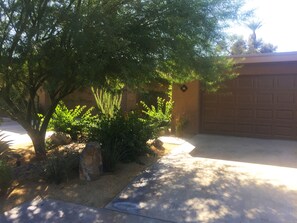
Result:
[[94, 194]]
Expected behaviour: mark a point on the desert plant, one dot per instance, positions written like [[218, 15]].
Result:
[[61, 166], [4, 144], [159, 116], [75, 122], [5, 176], [107, 102], [123, 138]]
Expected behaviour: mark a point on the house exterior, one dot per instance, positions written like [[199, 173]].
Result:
[[260, 102]]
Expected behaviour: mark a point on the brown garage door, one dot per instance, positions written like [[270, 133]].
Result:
[[253, 105]]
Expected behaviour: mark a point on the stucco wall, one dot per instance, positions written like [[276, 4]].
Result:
[[85, 97], [186, 108]]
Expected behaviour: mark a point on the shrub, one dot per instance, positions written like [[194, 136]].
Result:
[[108, 103], [123, 138], [61, 166], [76, 122], [159, 116], [5, 177]]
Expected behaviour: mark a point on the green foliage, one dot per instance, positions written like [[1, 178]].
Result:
[[75, 122], [159, 116], [4, 144], [109, 104], [5, 177], [61, 166], [56, 47], [123, 138]]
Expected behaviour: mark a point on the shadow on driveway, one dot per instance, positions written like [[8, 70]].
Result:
[[187, 189], [249, 150]]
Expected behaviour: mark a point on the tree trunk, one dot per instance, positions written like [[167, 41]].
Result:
[[38, 139]]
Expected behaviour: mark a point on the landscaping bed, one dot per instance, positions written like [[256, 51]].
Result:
[[28, 183]]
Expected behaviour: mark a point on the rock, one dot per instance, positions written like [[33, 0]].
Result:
[[158, 144], [60, 138], [90, 163]]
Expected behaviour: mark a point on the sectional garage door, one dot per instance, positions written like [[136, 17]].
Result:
[[253, 105]]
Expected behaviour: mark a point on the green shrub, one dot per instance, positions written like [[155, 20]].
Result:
[[61, 166], [76, 122], [108, 103], [158, 116], [5, 177], [123, 138]]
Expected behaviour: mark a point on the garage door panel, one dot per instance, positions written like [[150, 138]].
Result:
[[264, 130], [229, 114], [227, 99], [264, 99], [245, 114], [210, 114], [264, 82], [284, 115], [285, 131], [245, 128], [213, 127], [264, 115], [259, 106], [245, 83], [244, 100], [289, 82], [285, 98]]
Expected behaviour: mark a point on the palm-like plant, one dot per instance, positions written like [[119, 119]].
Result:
[[254, 25], [4, 144]]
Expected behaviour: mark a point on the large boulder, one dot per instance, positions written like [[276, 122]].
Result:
[[60, 138], [90, 164]]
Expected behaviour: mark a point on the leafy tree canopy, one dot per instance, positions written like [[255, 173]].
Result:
[[57, 46]]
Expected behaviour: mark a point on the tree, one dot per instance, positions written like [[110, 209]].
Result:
[[58, 46], [253, 45]]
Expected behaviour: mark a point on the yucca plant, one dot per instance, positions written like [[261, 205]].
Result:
[[108, 103]]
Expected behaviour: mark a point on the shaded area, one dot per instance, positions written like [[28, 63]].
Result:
[[94, 194], [56, 211], [185, 189], [249, 150]]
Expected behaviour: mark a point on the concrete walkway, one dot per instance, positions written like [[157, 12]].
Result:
[[186, 188], [14, 133], [210, 179], [52, 211]]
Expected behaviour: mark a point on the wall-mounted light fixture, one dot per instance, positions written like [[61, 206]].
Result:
[[183, 88]]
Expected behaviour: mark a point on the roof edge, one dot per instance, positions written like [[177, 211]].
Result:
[[266, 57]]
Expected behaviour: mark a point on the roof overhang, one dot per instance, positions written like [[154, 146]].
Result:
[[266, 58]]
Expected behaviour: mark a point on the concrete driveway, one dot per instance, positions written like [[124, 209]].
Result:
[[224, 179], [209, 179]]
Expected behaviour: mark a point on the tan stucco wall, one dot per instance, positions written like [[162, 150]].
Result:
[[85, 97], [186, 107]]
